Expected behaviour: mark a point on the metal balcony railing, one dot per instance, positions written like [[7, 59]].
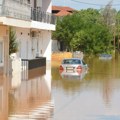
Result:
[[38, 15], [27, 13]]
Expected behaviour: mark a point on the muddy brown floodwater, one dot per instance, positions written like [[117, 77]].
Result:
[[94, 96], [47, 94]]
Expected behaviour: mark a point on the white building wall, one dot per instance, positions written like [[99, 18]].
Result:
[[30, 47], [14, 9], [47, 45], [1, 1], [39, 3], [44, 4], [32, 3], [1, 6], [4, 37], [23, 39], [47, 5]]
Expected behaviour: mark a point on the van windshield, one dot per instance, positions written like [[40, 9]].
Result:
[[71, 61]]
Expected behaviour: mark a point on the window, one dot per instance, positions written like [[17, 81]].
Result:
[[71, 61]]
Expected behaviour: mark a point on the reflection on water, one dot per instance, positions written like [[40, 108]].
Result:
[[26, 99], [3, 98], [95, 97], [73, 75]]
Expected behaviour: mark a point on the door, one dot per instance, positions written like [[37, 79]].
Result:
[[34, 47], [1, 53]]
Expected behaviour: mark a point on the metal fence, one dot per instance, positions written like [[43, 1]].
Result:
[[38, 15], [33, 67], [33, 63]]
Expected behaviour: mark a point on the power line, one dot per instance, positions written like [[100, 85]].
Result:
[[93, 3]]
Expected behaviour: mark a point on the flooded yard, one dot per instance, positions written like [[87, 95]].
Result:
[[48, 95]]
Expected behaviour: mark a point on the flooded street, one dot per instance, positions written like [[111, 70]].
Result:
[[94, 97], [49, 95], [28, 97]]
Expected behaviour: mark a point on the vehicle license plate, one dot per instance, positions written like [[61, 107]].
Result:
[[69, 69]]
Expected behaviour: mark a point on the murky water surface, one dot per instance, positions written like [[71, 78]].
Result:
[[49, 95], [95, 96]]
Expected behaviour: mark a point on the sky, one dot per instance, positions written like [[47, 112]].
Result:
[[84, 4]]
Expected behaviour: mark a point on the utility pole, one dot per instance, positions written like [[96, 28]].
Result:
[[118, 35], [114, 41]]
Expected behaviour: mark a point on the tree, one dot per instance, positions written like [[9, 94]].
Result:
[[85, 30], [13, 45], [95, 41]]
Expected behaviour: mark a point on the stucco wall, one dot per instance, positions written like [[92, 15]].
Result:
[[15, 10], [47, 44], [2, 40], [23, 37], [29, 46], [1, 1], [2, 31], [46, 5], [0, 5]]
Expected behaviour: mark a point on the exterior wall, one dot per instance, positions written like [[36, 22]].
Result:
[[43, 26], [23, 38], [47, 6], [1, 6], [5, 37], [1, 1], [39, 3], [47, 45], [31, 47], [16, 11], [2, 30]]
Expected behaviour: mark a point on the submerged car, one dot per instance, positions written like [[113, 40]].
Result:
[[73, 65], [75, 75]]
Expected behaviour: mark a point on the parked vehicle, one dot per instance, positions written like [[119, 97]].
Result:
[[73, 65], [74, 75], [105, 56]]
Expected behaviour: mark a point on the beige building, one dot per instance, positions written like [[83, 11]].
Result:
[[33, 23]]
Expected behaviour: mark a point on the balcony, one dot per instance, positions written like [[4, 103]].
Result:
[[12, 12], [40, 16], [26, 13]]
